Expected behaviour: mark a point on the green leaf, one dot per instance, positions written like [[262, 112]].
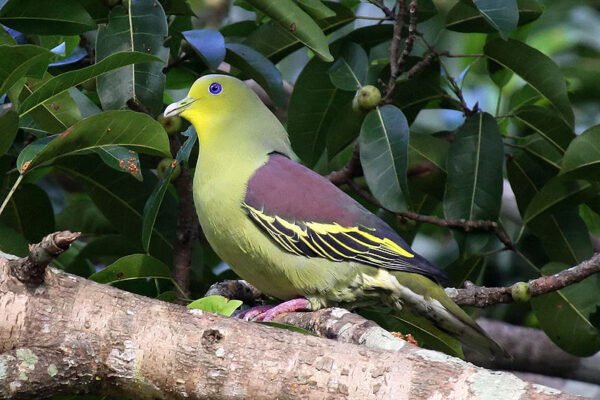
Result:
[[141, 28], [537, 69], [54, 115], [543, 151], [559, 193], [503, 15], [565, 314], [275, 41], [299, 24], [475, 159], [81, 215], [11, 242], [469, 269], [465, 17], [121, 159], [134, 266], [258, 67], [29, 212], [582, 158], [216, 305], [9, 125], [58, 84], [345, 129], [122, 128], [56, 17], [20, 61], [100, 250], [121, 200], [316, 9], [349, 71], [547, 124], [384, 156], [430, 149], [563, 235], [314, 109]]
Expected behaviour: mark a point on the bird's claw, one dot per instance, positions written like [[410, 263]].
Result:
[[269, 313]]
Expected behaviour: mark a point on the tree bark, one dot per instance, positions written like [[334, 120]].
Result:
[[70, 335]]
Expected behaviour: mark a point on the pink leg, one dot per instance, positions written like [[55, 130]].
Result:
[[252, 312], [285, 307]]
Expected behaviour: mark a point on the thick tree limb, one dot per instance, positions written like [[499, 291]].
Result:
[[73, 335]]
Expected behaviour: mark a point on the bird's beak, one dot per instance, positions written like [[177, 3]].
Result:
[[179, 107]]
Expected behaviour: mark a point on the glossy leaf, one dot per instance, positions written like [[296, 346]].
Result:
[[275, 41], [141, 28], [19, 61], [58, 84], [29, 212], [543, 151], [208, 44], [121, 200], [54, 115], [349, 71], [536, 69], [582, 158], [384, 156], [299, 24], [316, 9], [56, 17], [216, 305], [134, 266], [122, 128], [11, 242], [469, 269], [547, 124], [567, 312], [258, 67], [9, 125], [502, 15], [558, 193], [474, 166], [314, 109], [121, 159], [464, 16], [345, 130], [563, 234]]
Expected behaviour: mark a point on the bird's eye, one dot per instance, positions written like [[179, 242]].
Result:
[[215, 88]]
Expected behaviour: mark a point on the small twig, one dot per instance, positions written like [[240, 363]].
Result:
[[410, 40], [348, 171], [464, 224], [388, 13], [30, 270], [478, 296], [394, 47]]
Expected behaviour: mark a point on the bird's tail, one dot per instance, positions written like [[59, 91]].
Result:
[[424, 298]]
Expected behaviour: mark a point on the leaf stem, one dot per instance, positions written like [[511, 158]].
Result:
[[10, 194]]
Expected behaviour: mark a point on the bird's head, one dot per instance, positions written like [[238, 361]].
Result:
[[212, 96], [228, 114]]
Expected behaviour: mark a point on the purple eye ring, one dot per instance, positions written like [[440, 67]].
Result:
[[215, 88]]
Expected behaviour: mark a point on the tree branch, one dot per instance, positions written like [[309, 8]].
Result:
[[478, 296], [30, 270], [73, 335]]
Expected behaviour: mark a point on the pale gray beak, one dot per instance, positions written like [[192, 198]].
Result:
[[179, 107]]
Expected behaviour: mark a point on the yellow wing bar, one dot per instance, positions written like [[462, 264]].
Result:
[[332, 241]]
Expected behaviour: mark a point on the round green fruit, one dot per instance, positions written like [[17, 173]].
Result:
[[164, 164], [520, 292], [367, 98], [171, 124]]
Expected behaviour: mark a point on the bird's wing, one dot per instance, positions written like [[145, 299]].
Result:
[[307, 215]]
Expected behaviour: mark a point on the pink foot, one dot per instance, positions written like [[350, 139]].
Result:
[[283, 308], [253, 312]]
